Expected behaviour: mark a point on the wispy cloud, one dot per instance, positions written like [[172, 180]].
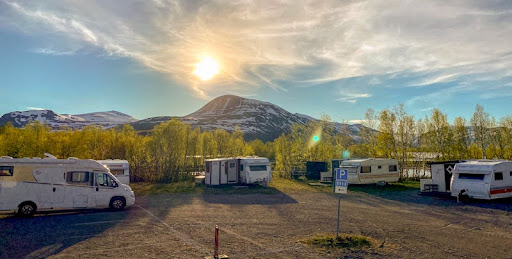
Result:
[[48, 51], [263, 43], [351, 97]]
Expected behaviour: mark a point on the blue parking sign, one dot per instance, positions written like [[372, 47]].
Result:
[[341, 181]]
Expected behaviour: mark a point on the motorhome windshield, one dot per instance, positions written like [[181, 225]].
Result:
[[466, 176], [258, 168]]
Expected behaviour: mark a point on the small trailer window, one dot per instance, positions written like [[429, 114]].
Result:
[[78, 178], [117, 171], [231, 165], [258, 168], [366, 169], [6, 170], [498, 176], [472, 176], [393, 168]]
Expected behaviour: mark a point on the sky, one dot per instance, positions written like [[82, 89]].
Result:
[[337, 58]]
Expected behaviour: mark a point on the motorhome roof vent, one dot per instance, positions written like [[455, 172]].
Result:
[[72, 158], [36, 158], [7, 157]]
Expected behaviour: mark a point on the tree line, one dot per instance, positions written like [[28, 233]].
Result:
[[174, 149]]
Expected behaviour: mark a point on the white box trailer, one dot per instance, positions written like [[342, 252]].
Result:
[[244, 170], [371, 170], [484, 179], [30, 184], [441, 176], [119, 168]]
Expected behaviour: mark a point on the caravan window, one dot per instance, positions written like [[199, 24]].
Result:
[[498, 176], [6, 170], [78, 178], [258, 168], [393, 168], [366, 169], [472, 176], [117, 171], [105, 180], [231, 165]]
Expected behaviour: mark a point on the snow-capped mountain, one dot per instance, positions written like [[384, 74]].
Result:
[[256, 119], [59, 121]]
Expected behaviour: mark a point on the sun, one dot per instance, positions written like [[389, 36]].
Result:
[[207, 68]]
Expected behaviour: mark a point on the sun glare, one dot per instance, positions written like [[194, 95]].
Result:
[[207, 68]]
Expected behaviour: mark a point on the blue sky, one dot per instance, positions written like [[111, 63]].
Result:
[[313, 57]]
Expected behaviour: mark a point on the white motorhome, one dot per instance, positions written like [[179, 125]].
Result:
[[244, 170], [30, 184], [371, 170], [119, 168], [485, 179]]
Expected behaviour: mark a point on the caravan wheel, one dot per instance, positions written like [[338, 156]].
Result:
[[27, 209]]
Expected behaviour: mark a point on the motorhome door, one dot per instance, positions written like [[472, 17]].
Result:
[[232, 171]]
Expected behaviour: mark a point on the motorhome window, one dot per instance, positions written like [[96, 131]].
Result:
[[393, 168], [105, 180], [6, 170], [80, 178], [472, 176], [498, 176], [380, 167], [117, 171], [242, 168], [366, 169], [258, 168]]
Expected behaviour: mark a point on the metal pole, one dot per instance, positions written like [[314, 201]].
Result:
[[216, 251], [338, 221]]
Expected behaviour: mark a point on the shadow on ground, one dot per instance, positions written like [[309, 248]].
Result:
[[256, 195], [411, 195], [48, 234]]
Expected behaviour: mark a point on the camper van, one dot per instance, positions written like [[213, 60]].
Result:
[[371, 170], [243, 170], [30, 184], [487, 179], [119, 168]]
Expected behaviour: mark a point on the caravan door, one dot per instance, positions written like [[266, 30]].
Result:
[[232, 171], [215, 173]]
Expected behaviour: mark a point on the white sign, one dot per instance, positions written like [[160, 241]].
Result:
[[341, 182]]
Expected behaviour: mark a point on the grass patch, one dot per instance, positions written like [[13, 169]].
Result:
[[301, 185], [390, 187], [161, 188], [350, 242]]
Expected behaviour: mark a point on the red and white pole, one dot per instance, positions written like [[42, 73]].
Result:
[[216, 250]]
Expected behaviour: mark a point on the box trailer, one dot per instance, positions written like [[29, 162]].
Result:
[[31, 184], [484, 179], [237, 170], [371, 170], [119, 168], [441, 176]]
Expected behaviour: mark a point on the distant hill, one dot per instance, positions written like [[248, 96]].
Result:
[[257, 119], [58, 121]]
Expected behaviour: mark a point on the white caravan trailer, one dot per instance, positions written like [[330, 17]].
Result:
[[487, 179], [30, 184], [119, 168], [371, 170], [244, 170]]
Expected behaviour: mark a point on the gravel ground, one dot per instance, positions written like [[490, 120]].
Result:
[[400, 223]]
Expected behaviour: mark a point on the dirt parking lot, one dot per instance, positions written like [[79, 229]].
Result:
[[401, 223]]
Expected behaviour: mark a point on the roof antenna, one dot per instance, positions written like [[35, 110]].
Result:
[[50, 156]]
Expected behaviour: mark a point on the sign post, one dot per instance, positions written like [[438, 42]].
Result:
[[341, 187]]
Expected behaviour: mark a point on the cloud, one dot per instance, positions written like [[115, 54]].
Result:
[[48, 51], [264, 43], [351, 97]]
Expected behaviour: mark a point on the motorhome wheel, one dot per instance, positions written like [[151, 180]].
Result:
[[26, 209], [117, 203]]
